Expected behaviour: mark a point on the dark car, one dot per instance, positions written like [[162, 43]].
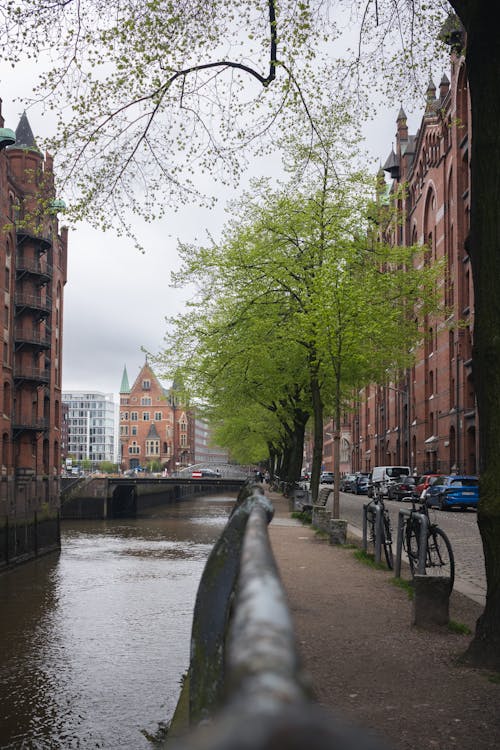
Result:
[[347, 483], [327, 477], [453, 491], [402, 487]]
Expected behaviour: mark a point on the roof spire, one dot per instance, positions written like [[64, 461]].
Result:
[[24, 135], [125, 387]]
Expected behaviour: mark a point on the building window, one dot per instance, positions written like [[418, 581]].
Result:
[[146, 401], [133, 430], [134, 449], [124, 429], [183, 441], [158, 416], [146, 385], [145, 416], [183, 426], [134, 416], [124, 416], [152, 447]]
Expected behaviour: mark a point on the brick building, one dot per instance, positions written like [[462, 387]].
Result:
[[154, 427], [33, 256], [428, 419]]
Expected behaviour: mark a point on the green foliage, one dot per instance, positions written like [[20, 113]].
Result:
[[369, 560], [298, 305], [148, 96], [407, 586], [459, 627], [107, 467]]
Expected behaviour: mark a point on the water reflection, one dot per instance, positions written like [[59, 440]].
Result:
[[95, 640]]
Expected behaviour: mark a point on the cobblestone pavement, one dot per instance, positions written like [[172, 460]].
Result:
[[366, 659]]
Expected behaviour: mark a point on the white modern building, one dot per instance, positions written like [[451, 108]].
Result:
[[205, 451], [92, 426]]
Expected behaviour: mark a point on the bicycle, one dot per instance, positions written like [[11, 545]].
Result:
[[439, 558], [385, 528]]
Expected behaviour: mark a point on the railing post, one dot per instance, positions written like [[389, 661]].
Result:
[[422, 542], [399, 544], [378, 533], [365, 527]]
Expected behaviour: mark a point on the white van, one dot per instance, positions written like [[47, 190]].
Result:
[[382, 476]]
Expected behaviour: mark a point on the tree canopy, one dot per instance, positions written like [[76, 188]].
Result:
[[298, 305]]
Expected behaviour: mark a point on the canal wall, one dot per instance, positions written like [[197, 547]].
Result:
[[29, 517], [132, 498], [22, 539]]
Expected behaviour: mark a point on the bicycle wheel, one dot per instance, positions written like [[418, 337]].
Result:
[[387, 541], [412, 538], [440, 560]]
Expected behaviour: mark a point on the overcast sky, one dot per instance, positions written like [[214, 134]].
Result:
[[116, 299]]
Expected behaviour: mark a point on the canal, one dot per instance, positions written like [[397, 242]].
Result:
[[94, 641]]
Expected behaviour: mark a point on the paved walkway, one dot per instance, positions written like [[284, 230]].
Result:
[[365, 658]]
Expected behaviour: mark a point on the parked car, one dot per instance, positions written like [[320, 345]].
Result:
[[208, 473], [361, 484], [383, 476], [327, 477], [347, 483], [402, 487], [425, 481], [455, 490]]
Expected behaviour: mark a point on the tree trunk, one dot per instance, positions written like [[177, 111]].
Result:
[[336, 452], [296, 446], [483, 64], [317, 458]]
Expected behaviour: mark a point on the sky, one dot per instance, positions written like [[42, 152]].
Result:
[[116, 298]]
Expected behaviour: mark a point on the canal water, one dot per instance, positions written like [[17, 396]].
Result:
[[94, 641]]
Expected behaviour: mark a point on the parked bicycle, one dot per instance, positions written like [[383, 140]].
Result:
[[419, 529], [374, 509]]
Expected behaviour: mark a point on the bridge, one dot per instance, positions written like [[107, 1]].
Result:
[[132, 497]]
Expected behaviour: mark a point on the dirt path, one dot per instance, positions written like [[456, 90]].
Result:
[[365, 658]]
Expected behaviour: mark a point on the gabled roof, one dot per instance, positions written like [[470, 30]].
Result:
[[153, 432], [146, 373]]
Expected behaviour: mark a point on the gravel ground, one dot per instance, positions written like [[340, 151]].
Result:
[[368, 662]]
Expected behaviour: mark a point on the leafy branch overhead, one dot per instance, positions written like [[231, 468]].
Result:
[[155, 100]]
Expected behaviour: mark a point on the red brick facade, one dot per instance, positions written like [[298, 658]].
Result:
[[154, 427], [33, 257], [428, 420]]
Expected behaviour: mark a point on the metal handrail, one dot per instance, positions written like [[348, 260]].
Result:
[[245, 679]]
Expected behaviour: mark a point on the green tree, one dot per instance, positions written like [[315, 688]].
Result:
[[309, 280]]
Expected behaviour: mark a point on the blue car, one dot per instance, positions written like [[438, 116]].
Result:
[[453, 491]]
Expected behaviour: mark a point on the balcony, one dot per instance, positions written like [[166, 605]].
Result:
[[26, 301], [22, 424], [31, 339], [37, 236], [23, 373], [32, 267]]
